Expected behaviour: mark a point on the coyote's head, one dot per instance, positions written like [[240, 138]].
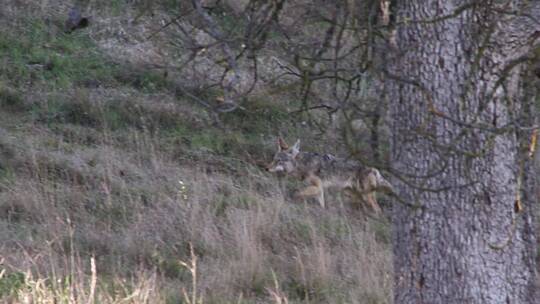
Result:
[[284, 161]]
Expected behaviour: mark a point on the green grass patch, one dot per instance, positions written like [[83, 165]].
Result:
[[240, 201], [143, 80], [225, 143], [299, 231], [10, 283], [334, 228], [114, 114], [235, 139], [382, 230], [40, 53], [260, 116], [11, 100], [6, 174]]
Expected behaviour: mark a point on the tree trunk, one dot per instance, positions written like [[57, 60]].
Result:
[[463, 232]]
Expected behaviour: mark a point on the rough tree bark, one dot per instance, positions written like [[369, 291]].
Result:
[[463, 232]]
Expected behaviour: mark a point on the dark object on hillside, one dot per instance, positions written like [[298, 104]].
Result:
[[75, 21]]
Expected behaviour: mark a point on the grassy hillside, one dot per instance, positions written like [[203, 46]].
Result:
[[116, 188]]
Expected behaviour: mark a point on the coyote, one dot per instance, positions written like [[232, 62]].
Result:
[[326, 171]]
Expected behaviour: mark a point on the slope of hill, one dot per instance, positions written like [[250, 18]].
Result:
[[117, 188]]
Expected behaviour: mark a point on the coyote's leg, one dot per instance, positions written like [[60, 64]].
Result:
[[281, 186], [369, 184], [320, 196], [314, 190], [370, 199]]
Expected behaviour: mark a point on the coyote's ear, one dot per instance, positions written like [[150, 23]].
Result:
[[296, 148], [282, 145]]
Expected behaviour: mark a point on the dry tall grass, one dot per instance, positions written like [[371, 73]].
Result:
[[128, 207]]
